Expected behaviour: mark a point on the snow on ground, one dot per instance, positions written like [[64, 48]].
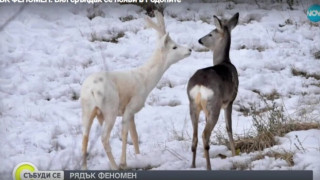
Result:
[[47, 51]]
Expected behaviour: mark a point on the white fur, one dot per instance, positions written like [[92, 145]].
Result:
[[106, 95], [205, 93]]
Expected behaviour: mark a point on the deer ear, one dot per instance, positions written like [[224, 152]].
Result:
[[233, 21], [165, 39], [217, 23]]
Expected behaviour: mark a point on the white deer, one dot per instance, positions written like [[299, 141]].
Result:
[[106, 95]]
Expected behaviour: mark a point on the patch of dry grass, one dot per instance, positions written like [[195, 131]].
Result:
[[114, 39], [247, 165], [285, 155], [297, 72], [266, 139], [255, 143], [268, 122], [126, 18]]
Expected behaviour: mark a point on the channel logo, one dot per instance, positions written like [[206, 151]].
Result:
[[314, 13], [23, 168], [28, 171]]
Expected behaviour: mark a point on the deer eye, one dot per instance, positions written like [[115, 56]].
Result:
[[174, 47], [210, 35]]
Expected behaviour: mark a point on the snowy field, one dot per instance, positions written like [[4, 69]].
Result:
[[47, 51]]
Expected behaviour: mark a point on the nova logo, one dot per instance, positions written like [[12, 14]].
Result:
[[314, 13]]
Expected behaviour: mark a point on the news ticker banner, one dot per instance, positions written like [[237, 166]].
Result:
[[27, 171]]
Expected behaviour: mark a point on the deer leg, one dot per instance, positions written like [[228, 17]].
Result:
[[125, 128], [194, 114], [134, 136], [228, 118], [105, 137], [87, 119], [212, 118]]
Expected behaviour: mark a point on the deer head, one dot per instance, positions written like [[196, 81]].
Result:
[[171, 51], [220, 35]]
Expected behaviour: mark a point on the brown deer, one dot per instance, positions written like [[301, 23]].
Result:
[[214, 88]]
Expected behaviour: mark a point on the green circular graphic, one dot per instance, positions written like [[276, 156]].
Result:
[[21, 167]]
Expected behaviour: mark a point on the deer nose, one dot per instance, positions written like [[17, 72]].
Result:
[[190, 50], [200, 41]]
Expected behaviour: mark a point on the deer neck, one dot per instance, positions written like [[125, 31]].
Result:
[[221, 52], [153, 69]]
